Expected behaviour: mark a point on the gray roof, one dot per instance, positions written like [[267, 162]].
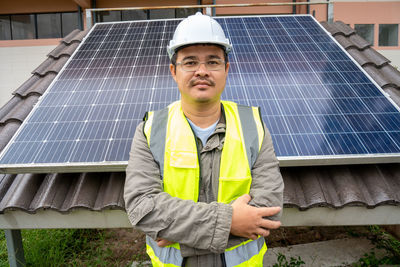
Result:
[[305, 187]]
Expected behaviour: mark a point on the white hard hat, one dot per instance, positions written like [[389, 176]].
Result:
[[198, 29]]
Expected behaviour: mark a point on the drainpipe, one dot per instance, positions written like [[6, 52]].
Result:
[[330, 12], [294, 7], [80, 21], [199, 9], [93, 14], [213, 9], [308, 7]]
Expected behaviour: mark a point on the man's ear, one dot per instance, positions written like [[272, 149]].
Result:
[[227, 67], [172, 69]]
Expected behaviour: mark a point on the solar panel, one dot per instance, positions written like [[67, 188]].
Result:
[[319, 105]]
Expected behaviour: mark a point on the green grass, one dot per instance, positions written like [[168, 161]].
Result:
[[292, 262], [65, 247]]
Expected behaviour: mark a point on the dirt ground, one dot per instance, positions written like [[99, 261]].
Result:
[[129, 244]]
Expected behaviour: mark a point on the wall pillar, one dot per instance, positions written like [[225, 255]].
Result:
[[15, 248]]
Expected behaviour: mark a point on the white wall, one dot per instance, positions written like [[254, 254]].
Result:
[[392, 55], [16, 65]]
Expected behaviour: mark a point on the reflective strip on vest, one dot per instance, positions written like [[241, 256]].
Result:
[[249, 253], [173, 145], [166, 256]]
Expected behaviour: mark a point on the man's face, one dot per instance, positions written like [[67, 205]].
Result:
[[201, 86]]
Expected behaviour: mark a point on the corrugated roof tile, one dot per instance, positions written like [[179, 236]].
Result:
[[344, 28], [330, 28], [394, 93], [63, 50], [358, 56], [40, 86], [359, 42], [27, 84], [10, 105], [51, 65], [376, 75], [21, 192], [21, 109], [376, 58], [344, 41], [392, 74], [7, 131], [75, 36]]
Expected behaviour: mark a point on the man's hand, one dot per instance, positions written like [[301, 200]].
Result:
[[163, 242], [248, 221]]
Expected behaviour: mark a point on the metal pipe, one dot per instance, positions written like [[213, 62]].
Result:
[[80, 21], [294, 7], [330, 11], [90, 21], [15, 248], [210, 6], [213, 9]]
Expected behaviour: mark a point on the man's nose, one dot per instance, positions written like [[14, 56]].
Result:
[[202, 70]]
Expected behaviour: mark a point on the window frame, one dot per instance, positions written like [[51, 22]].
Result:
[[379, 35], [35, 23]]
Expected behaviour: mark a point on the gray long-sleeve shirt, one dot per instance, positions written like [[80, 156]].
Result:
[[202, 228]]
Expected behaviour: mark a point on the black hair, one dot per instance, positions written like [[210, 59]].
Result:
[[173, 58]]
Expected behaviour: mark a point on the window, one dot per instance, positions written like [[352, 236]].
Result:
[[125, 15], [134, 15], [366, 31], [5, 27], [388, 34], [69, 22], [185, 12], [34, 26], [49, 25], [108, 16], [162, 13], [23, 27]]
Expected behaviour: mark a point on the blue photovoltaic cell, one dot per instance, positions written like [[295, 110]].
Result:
[[315, 101]]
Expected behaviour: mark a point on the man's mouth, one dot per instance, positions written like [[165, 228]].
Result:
[[201, 83]]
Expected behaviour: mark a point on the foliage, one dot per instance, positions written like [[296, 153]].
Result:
[[61, 247], [384, 241], [370, 260], [293, 262]]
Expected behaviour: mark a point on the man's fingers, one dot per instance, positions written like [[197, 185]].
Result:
[[163, 242], [245, 198], [254, 237], [263, 232], [268, 224], [265, 212]]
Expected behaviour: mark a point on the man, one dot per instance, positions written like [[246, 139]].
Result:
[[202, 180]]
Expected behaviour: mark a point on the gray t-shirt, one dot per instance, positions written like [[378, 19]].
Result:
[[203, 133]]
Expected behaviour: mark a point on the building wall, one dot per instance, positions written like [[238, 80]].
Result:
[[393, 56], [252, 10], [370, 13], [16, 66], [37, 6], [143, 3]]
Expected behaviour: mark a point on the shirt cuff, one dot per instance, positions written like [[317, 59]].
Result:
[[222, 228]]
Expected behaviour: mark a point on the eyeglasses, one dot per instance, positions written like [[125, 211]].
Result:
[[193, 65]]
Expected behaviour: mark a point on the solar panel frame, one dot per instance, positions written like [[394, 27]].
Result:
[[284, 160]]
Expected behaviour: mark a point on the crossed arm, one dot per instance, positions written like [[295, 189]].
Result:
[[210, 225]]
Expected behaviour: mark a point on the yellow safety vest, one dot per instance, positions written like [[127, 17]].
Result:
[[173, 145]]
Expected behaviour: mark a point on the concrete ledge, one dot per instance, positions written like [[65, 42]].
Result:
[[82, 218], [381, 215], [50, 219]]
